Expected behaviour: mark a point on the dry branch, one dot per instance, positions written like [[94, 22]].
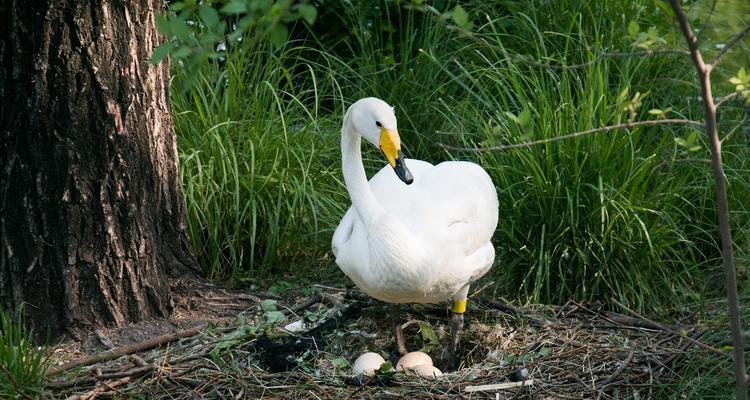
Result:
[[672, 331], [729, 46], [498, 386], [129, 349]]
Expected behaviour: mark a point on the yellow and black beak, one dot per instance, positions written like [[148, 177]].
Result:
[[390, 144]]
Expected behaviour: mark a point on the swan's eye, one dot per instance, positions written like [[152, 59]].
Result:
[[378, 124]]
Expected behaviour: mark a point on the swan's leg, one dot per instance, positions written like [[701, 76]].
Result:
[[398, 334], [457, 322]]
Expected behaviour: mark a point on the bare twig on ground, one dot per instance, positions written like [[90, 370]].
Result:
[[125, 350], [671, 330]]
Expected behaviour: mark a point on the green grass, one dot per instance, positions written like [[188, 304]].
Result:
[[22, 364], [705, 375], [622, 214]]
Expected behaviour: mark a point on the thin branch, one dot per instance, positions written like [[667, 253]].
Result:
[[627, 125], [708, 17], [729, 45], [672, 331], [722, 201], [599, 57], [726, 98], [125, 350], [618, 371], [729, 135]]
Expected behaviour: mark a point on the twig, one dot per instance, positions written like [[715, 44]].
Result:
[[627, 125], [722, 201], [93, 379], [731, 133], [125, 350], [672, 331], [726, 98], [316, 298], [618, 371], [498, 386], [729, 46], [104, 340], [538, 321], [638, 322]]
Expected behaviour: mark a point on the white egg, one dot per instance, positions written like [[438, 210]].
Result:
[[412, 359], [427, 371], [367, 363]]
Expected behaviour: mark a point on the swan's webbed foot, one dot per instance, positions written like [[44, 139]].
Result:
[[398, 334]]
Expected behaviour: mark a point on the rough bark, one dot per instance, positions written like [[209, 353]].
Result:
[[92, 218]]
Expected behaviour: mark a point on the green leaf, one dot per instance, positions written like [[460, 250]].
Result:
[[339, 362], [385, 368], [735, 81], [177, 6], [308, 12], [268, 305], [653, 33], [692, 137], [655, 111], [161, 52], [524, 118], [163, 25], [279, 35], [460, 16], [179, 29], [235, 7], [208, 15], [544, 351], [273, 317], [633, 29], [181, 52]]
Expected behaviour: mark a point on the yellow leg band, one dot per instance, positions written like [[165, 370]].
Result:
[[459, 306]]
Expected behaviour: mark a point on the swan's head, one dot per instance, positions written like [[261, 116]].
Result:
[[375, 120]]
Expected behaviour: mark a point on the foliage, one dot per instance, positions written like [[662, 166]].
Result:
[[22, 365], [199, 31], [628, 213]]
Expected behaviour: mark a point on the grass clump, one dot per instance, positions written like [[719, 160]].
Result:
[[22, 365], [626, 214], [258, 180]]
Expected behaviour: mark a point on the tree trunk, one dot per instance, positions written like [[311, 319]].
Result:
[[92, 220]]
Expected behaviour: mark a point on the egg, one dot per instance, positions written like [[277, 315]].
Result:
[[427, 371], [412, 359], [367, 363]]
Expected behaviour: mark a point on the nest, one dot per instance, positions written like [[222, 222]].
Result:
[[574, 351]]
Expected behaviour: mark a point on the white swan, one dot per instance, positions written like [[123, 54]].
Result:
[[421, 235]]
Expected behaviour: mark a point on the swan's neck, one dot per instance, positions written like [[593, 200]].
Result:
[[364, 201]]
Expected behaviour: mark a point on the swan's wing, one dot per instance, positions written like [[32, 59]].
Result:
[[452, 206], [457, 206]]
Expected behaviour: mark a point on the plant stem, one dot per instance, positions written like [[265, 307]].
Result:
[[704, 73]]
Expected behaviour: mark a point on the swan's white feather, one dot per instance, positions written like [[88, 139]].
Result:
[[433, 240]]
